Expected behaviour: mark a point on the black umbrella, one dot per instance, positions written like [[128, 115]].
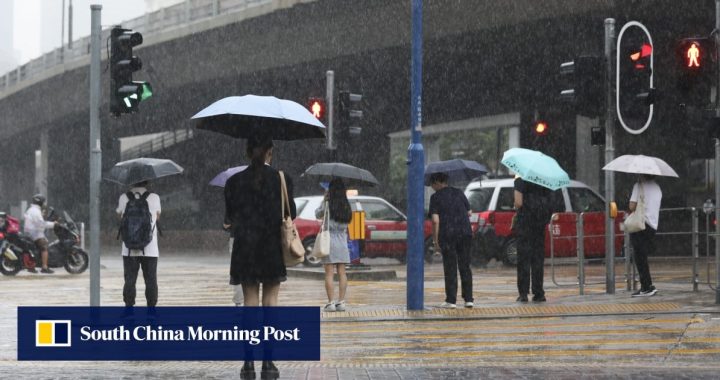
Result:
[[142, 169], [244, 116], [353, 175], [457, 170]]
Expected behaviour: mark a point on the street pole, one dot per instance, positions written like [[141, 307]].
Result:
[[70, 23], [609, 156], [95, 154], [717, 217], [329, 96], [416, 170]]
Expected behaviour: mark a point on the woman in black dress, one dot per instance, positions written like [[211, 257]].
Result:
[[253, 214]]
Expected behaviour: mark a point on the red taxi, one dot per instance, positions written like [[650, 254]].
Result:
[[491, 201], [385, 228]]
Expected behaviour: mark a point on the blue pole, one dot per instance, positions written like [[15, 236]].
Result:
[[416, 171]]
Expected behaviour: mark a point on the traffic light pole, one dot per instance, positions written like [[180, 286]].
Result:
[[609, 156], [95, 154], [717, 162], [329, 100], [416, 171]]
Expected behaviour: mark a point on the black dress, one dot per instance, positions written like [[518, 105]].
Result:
[[252, 208]]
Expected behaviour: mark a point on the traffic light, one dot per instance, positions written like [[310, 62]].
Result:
[[540, 128], [696, 70], [125, 94], [584, 84], [635, 70], [317, 107], [348, 112]]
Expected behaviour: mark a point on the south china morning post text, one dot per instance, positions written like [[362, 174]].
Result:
[[168, 333]]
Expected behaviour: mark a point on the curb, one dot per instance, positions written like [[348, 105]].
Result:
[[360, 275]]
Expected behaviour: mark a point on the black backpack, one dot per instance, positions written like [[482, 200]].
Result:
[[136, 227]]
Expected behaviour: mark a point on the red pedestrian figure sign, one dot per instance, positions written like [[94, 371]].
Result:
[[693, 54]]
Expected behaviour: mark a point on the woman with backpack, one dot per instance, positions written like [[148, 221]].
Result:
[[253, 215], [340, 214]]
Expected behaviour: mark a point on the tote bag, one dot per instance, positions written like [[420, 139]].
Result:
[[322, 241], [635, 222], [292, 247]]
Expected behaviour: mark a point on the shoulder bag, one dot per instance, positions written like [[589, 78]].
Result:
[[322, 241], [292, 247], [635, 222]]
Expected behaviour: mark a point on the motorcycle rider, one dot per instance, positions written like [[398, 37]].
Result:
[[35, 226]]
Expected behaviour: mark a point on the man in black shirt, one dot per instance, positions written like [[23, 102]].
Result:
[[452, 235]]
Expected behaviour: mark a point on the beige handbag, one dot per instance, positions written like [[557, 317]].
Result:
[[322, 241], [635, 222], [293, 250]]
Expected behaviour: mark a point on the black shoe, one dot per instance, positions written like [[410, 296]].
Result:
[[248, 370], [522, 298], [269, 371], [539, 298], [47, 270], [32, 270]]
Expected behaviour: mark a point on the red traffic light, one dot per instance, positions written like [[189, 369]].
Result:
[[636, 57], [317, 107], [541, 128]]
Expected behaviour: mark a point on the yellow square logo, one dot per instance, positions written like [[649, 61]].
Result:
[[52, 333]]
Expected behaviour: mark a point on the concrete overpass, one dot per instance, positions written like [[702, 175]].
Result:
[[484, 61]]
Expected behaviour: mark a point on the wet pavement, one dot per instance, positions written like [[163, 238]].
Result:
[[675, 334]]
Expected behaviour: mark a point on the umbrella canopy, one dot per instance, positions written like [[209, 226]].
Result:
[[457, 170], [221, 178], [639, 164], [353, 175], [243, 116], [142, 169], [536, 167]]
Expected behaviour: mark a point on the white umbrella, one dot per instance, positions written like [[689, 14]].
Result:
[[639, 164]]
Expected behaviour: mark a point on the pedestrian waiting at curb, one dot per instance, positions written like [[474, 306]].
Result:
[[35, 226], [252, 213], [643, 242], [340, 215], [452, 236], [535, 205], [139, 212]]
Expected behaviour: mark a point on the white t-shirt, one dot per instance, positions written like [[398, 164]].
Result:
[[151, 250], [653, 196], [35, 224]]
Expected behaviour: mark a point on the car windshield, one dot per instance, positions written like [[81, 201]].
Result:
[[479, 198]]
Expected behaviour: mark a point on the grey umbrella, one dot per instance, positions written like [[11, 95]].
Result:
[[351, 174], [142, 169]]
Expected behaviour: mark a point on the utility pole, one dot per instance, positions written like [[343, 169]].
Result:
[[70, 24], [95, 154], [717, 163], [609, 156]]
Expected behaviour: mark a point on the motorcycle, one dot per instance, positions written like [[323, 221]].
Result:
[[19, 251]]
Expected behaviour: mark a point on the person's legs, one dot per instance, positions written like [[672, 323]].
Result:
[[270, 291], [251, 292], [238, 299], [42, 247], [149, 269], [450, 261], [329, 281], [537, 263], [131, 266], [643, 244], [342, 281], [463, 247], [523, 265]]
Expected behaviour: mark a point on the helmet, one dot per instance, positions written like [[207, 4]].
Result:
[[38, 199]]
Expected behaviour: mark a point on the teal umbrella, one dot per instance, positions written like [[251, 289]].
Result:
[[536, 167]]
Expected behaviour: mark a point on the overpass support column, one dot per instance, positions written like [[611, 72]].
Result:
[[41, 165]]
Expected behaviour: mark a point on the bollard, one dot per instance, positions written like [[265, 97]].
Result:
[[581, 252], [695, 252]]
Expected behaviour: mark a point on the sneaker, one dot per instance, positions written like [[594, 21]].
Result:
[[539, 298], [522, 298], [340, 306], [248, 370], [646, 293], [469, 305], [32, 270], [447, 305], [636, 294], [269, 371], [329, 306], [47, 270]]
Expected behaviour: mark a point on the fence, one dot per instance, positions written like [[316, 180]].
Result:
[[187, 12], [581, 240]]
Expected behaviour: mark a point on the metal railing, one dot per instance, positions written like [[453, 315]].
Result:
[[165, 140], [178, 15]]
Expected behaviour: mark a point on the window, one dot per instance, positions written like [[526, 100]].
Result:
[[380, 211], [584, 200], [300, 205], [479, 198], [506, 199]]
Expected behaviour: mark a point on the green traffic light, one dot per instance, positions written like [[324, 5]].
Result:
[[146, 91]]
